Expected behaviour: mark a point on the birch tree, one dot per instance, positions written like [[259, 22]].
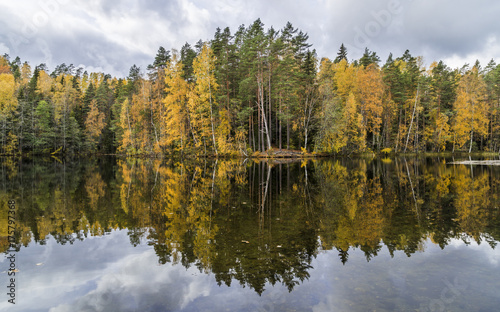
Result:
[[470, 108]]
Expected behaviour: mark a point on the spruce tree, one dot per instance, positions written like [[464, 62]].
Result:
[[342, 54]]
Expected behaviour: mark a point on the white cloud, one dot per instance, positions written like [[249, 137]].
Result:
[[491, 50], [4, 49]]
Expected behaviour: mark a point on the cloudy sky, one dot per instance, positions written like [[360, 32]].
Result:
[[110, 36]]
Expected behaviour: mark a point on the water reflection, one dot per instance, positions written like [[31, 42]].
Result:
[[255, 223]]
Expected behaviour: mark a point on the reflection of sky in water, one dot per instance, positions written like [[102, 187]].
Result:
[[108, 274]]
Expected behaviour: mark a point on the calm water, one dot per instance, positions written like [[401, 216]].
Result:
[[323, 235]]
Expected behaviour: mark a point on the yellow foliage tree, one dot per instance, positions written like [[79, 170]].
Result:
[[174, 119], [8, 104], [441, 131], [202, 103], [345, 79], [355, 132], [140, 121], [336, 82], [4, 66], [8, 100], [470, 108], [25, 73], [127, 144], [370, 95], [44, 85], [94, 124]]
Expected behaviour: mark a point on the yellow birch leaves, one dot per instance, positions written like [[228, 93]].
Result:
[[8, 99], [94, 124], [352, 105], [190, 115], [174, 115], [8, 104], [470, 107], [202, 102]]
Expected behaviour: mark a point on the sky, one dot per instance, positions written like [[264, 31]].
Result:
[[110, 36]]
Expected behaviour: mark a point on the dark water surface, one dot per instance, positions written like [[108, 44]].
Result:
[[320, 235]]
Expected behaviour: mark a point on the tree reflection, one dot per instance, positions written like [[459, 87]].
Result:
[[253, 222]]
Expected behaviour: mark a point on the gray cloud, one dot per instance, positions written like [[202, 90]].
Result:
[[462, 29], [112, 36]]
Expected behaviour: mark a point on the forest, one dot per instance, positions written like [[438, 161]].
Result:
[[250, 93]]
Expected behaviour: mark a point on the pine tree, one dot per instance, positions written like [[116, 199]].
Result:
[[442, 95], [187, 58], [342, 54], [368, 58], [44, 128], [492, 80]]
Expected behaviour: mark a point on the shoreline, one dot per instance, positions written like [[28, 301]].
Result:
[[275, 154]]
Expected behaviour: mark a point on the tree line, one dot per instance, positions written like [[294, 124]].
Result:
[[247, 93]]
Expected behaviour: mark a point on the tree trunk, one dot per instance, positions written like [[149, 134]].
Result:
[[472, 128], [305, 140], [280, 122], [265, 127], [411, 123], [259, 120], [269, 103], [251, 142], [287, 133], [64, 127], [471, 136], [129, 127], [211, 116], [260, 104], [399, 129]]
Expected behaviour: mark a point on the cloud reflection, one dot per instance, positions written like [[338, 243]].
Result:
[[108, 274], [103, 274], [401, 283]]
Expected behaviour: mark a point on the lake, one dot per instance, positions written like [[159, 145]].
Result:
[[107, 234]]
